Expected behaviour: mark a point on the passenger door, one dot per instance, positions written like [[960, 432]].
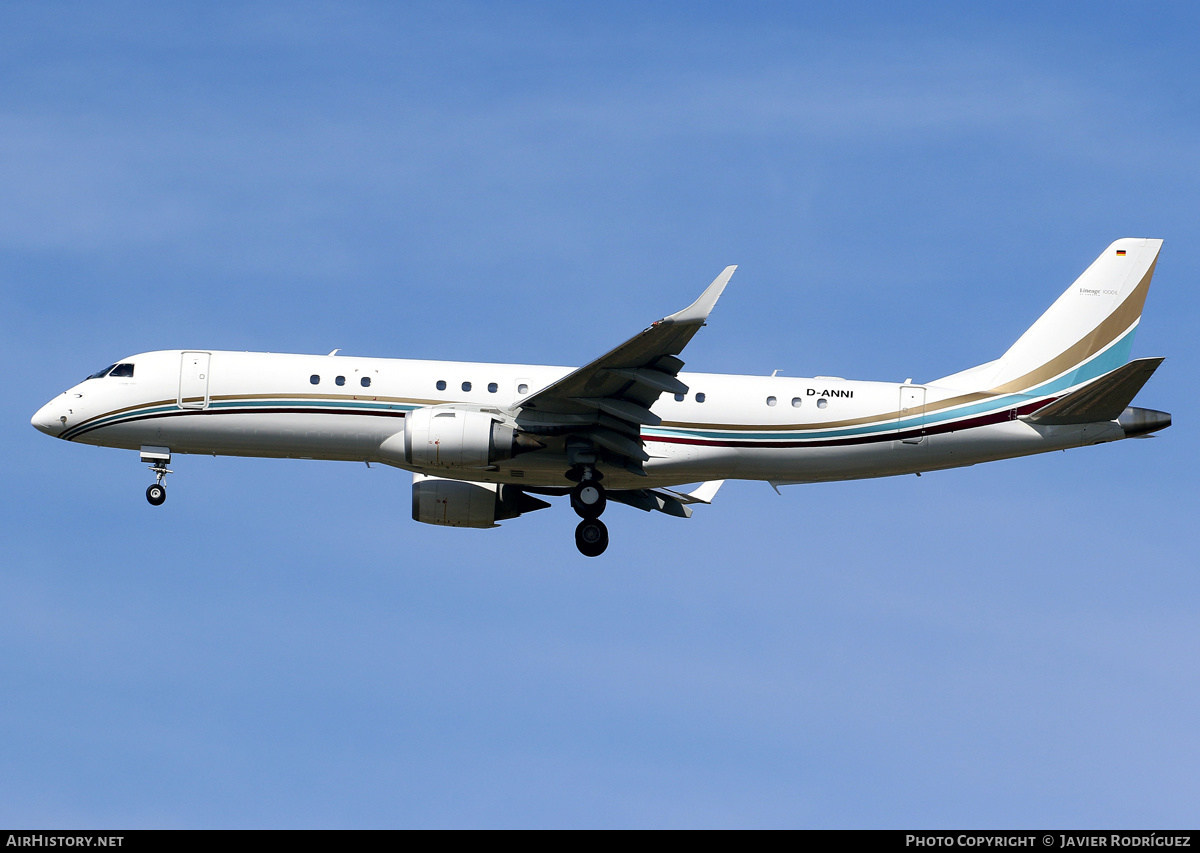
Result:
[[912, 414], [193, 380]]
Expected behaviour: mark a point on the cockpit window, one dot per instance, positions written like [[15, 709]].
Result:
[[100, 374], [125, 370]]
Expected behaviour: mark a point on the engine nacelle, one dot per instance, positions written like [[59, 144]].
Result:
[[445, 437], [457, 503]]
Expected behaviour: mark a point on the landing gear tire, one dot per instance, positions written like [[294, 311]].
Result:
[[156, 494], [591, 537], [588, 500]]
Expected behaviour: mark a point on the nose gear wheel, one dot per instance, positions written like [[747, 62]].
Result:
[[157, 493]]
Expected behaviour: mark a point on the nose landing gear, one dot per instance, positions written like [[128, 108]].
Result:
[[159, 458]]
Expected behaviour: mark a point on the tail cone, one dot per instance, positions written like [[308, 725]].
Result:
[[1137, 421]]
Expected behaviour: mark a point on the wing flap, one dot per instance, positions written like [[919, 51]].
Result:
[[655, 380], [623, 409], [620, 444]]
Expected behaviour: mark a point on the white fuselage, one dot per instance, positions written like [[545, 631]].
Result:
[[781, 429]]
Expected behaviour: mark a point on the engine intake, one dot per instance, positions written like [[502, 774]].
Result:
[[437, 437]]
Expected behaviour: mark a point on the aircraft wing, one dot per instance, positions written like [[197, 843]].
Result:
[[608, 400]]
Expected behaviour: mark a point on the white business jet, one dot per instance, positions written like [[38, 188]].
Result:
[[483, 441]]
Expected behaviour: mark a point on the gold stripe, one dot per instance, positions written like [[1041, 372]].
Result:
[[324, 397], [1099, 338], [336, 397], [1102, 336]]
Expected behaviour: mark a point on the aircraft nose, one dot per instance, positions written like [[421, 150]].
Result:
[[50, 417]]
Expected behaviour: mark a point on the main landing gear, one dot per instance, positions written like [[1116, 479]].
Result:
[[591, 537], [588, 501]]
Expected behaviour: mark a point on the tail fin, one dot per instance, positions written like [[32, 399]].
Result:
[[1086, 333]]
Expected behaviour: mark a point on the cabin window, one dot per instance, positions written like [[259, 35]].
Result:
[[493, 387], [796, 401], [679, 398], [441, 384], [125, 370], [365, 382], [771, 401], [315, 379], [822, 403], [522, 388], [700, 397], [341, 380], [100, 374], [466, 386]]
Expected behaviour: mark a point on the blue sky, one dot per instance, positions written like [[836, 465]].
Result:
[[905, 191]]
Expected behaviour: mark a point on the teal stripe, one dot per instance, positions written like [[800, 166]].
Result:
[[114, 418], [1109, 360], [333, 405], [1102, 363]]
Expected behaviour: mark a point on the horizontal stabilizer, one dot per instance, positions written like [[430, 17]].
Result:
[[1102, 400]]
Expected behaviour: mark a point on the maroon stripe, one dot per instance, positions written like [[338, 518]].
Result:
[[952, 426]]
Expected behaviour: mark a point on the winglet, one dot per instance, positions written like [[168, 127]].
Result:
[[706, 492], [699, 310], [702, 495]]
